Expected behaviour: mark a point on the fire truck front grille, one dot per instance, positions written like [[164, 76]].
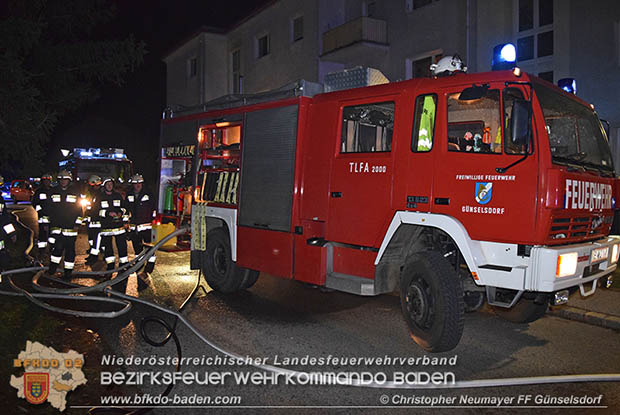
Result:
[[573, 229]]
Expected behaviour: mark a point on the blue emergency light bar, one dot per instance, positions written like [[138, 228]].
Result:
[[99, 153], [504, 57], [569, 85]]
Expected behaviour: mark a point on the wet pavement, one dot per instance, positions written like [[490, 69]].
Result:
[[279, 319]]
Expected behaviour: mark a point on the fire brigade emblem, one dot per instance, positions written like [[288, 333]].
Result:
[[484, 192], [36, 387]]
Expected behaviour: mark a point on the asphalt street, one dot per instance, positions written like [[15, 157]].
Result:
[[279, 319]]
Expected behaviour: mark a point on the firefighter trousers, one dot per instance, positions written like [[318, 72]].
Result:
[[104, 240], [64, 244], [138, 236], [42, 240]]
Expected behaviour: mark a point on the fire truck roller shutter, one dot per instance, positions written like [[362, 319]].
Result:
[[268, 168]]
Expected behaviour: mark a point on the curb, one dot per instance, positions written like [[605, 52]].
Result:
[[589, 317]]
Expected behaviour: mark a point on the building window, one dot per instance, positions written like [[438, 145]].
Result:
[[370, 9], [534, 29], [421, 68], [192, 67], [547, 76], [367, 128], [237, 79], [410, 5], [263, 47], [298, 28]]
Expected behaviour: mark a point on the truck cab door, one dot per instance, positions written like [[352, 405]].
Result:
[[470, 183], [361, 172]]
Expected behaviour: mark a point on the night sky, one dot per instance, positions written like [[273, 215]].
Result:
[[129, 116]]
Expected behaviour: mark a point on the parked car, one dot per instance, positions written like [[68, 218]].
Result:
[[21, 190]]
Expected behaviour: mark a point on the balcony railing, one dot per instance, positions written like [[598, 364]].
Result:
[[363, 29]]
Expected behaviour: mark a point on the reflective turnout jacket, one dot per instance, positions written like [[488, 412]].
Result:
[[64, 207], [41, 200], [141, 207], [108, 211]]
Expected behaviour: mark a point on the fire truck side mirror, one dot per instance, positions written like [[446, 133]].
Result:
[[520, 122]]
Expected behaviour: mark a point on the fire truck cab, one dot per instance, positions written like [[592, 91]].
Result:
[[450, 190]]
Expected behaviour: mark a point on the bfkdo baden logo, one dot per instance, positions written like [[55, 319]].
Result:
[[48, 375], [36, 387]]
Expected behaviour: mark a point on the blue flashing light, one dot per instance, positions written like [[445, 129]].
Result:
[[86, 153], [508, 53], [504, 57], [569, 85]]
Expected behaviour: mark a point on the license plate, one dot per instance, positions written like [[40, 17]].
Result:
[[600, 254]]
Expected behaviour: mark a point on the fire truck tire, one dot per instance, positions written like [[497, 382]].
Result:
[[220, 271], [249, 279], [525, 311], [431, 297]]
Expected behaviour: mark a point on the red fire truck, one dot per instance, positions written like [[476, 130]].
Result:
[[449, 190]]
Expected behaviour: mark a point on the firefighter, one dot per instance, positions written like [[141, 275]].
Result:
[[110, 210], [41, 206], [94, 224], [8, 235], [141, 206], [65, 215]]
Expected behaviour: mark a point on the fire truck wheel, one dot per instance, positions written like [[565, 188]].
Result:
[[249, 279], [431, 298], [220, 271], [525, 311]]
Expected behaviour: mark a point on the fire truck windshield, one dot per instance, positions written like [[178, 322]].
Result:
[[104, 168], [575, 132]]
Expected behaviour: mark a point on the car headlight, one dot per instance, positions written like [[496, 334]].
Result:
[[567, 264]]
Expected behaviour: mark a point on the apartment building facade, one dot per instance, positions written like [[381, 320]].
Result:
[[288, 40]]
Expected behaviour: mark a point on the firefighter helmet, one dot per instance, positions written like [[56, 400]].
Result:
[[107, 179], [94, 180], [46, 176], [64, 174], [448, 65], [136, 178]]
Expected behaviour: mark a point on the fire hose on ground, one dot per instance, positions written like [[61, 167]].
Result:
[[78, 291]]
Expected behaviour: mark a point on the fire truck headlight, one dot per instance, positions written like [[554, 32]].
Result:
[[567, 265], [614, 253]]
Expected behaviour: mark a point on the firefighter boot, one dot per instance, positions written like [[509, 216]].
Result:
[[51, 270], [144, 280], [110, 266], [67, 274], [91, 260]]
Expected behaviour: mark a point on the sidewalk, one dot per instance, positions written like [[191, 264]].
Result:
[[601, 309]]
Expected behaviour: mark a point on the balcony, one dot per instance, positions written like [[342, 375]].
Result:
[[364, 37]]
